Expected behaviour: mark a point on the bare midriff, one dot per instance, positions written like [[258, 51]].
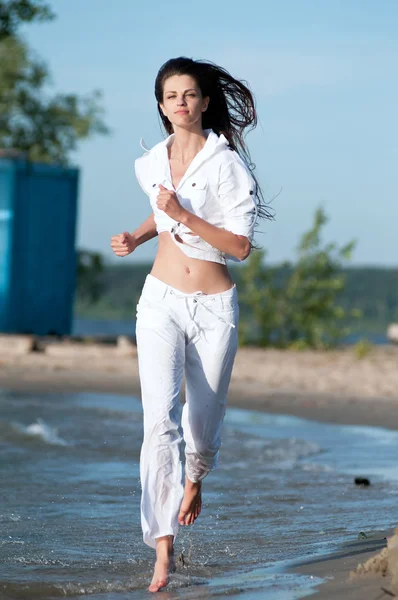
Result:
[[187, 274]]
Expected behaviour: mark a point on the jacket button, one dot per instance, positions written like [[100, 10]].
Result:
[[193, 185], [154, 185], [251, 192]]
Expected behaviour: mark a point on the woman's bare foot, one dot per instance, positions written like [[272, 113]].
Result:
[[192, 502], [164, 563]]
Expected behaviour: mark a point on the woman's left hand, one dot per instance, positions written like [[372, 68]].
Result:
[[168, 202]]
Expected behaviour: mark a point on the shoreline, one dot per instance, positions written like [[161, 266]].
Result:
[[336, 570], [40, 373]]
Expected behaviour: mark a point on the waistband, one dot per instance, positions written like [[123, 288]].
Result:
[[159, 289]]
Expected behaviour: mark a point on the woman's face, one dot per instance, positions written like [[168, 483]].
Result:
[[183, 103]]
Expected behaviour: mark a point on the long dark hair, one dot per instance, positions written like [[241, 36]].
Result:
[[231, 109]]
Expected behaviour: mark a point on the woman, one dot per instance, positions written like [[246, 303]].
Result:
[[205, 203]]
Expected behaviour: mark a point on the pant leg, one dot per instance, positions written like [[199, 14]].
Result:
[[208, 367], [161, 354]]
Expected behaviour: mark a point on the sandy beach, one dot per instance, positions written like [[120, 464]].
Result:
[[334, 387], [346, 576]]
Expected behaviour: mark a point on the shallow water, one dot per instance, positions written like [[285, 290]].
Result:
[[69, 501]]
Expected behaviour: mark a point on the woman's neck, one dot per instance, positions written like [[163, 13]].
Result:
[[186, 144]]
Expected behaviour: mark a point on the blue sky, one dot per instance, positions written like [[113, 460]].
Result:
[[324, 76]]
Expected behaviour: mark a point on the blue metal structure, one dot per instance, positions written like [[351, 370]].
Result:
[[38, 213]]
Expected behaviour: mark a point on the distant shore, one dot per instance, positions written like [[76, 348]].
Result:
[[333, 387]]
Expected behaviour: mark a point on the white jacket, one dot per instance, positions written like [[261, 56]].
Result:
[[217, 187]]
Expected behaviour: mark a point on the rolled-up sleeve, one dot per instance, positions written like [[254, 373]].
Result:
[[237, 193]]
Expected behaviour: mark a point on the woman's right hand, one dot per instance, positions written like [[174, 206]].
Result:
[[123, 244]]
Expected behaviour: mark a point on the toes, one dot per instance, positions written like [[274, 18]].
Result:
[[187, 517], [184, 518], [155, 587]]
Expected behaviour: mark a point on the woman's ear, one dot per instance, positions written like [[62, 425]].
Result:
[[206, 101]]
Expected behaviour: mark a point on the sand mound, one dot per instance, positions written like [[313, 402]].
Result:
[[393, 561], [385, 563], [376, 565]]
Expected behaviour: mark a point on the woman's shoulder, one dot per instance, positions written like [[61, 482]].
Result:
[[229, 156], [150, 153], [144, 165], [233, 165]]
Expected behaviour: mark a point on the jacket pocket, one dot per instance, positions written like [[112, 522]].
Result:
[[154, 191], [194, 192]]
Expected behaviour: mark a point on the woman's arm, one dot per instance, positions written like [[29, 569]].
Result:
[[225, 241], [230, 243], [145, 232], [125, 243]]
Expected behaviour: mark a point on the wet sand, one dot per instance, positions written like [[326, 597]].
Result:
[[334, 387], [341, 570]]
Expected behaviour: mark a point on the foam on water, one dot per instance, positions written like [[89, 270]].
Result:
[[38, 430], [44, 432]]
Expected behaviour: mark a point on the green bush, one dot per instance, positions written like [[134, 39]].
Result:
[[362, 349], [296, 306]]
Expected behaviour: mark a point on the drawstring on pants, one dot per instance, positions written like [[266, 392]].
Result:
[[196, 298]]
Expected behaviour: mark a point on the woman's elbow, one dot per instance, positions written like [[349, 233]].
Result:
[[244, 249]]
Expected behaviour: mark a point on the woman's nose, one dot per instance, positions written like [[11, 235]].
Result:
[[181, 101]]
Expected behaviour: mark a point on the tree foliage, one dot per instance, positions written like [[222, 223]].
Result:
[[296, 306], [90, 268], [46, 128], [15, 12]]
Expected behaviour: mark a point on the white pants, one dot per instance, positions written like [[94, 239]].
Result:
[[177, 332]]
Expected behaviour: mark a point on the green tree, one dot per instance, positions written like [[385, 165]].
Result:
[[296, 306], [90, 268], [44, 128], [15, 12]]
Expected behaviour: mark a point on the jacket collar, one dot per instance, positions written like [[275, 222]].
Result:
[[213, 144], [213, 141]]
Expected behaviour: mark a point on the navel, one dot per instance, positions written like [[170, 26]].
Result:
[[187, 270]]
